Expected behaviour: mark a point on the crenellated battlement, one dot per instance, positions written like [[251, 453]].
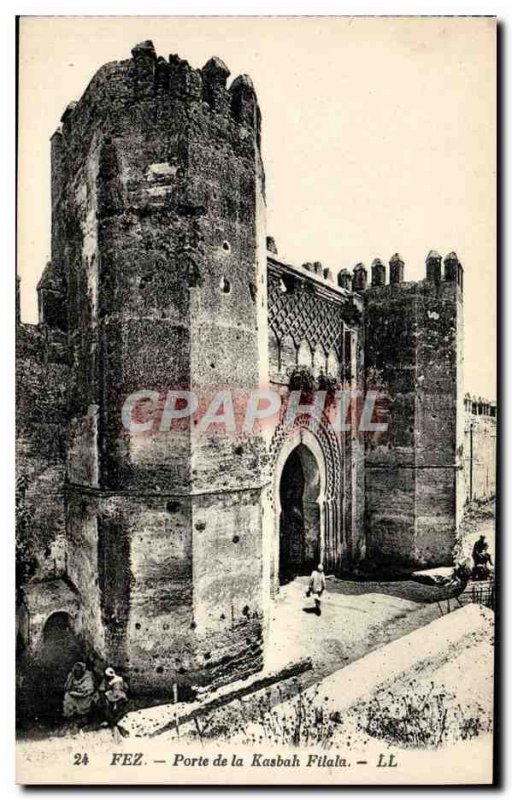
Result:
[[315, 268], [146, 77], [477, 406], [453, 272], [357, 281], [378, 273]]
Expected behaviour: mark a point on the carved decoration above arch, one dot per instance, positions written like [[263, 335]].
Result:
[[328, 443], [305, 315]]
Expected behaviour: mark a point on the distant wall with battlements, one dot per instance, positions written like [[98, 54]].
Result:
[[480, 423]]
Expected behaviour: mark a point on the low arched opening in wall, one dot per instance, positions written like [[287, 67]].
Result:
[[43, 672], [60, 647]]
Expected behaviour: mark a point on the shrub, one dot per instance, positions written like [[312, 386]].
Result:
[[419, 718]]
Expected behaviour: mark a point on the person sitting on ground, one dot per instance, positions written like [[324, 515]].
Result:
[[482, 560], [317, 587], [113, 696], [79, 692]]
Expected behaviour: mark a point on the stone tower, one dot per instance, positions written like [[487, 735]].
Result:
[[413, 356], [158, 239]]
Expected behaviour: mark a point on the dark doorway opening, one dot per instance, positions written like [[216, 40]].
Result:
[[42, 678], [299, 524], [60, 647]]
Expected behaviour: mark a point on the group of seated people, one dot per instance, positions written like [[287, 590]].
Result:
[[85, 697]]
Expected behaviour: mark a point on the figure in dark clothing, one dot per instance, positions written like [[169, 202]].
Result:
[[79, 692], [482, 560]]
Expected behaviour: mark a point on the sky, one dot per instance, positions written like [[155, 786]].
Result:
[[378, 136]]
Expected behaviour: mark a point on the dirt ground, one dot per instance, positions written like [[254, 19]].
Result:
[[449, 662], [358, 617], [432, 688]]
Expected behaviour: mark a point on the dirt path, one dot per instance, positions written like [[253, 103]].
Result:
[[358, 617], [431, 689]]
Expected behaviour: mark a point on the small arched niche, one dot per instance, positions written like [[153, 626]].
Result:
[[319, 360], [304, 355], [288, 354], [333, 366], [225, 285]]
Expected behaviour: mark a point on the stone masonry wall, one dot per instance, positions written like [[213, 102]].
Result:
[[41, 380], [160, 280], [414, 469], [317, 324], [479, 450], [159, 224]]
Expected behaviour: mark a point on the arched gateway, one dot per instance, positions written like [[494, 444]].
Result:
[[306, 499], [299, 522]]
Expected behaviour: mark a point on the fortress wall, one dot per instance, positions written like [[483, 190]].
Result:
[[160, 280], [41, 379], [479, 452], [83, 566], [439, 436], [413, 352], [389, 461]]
